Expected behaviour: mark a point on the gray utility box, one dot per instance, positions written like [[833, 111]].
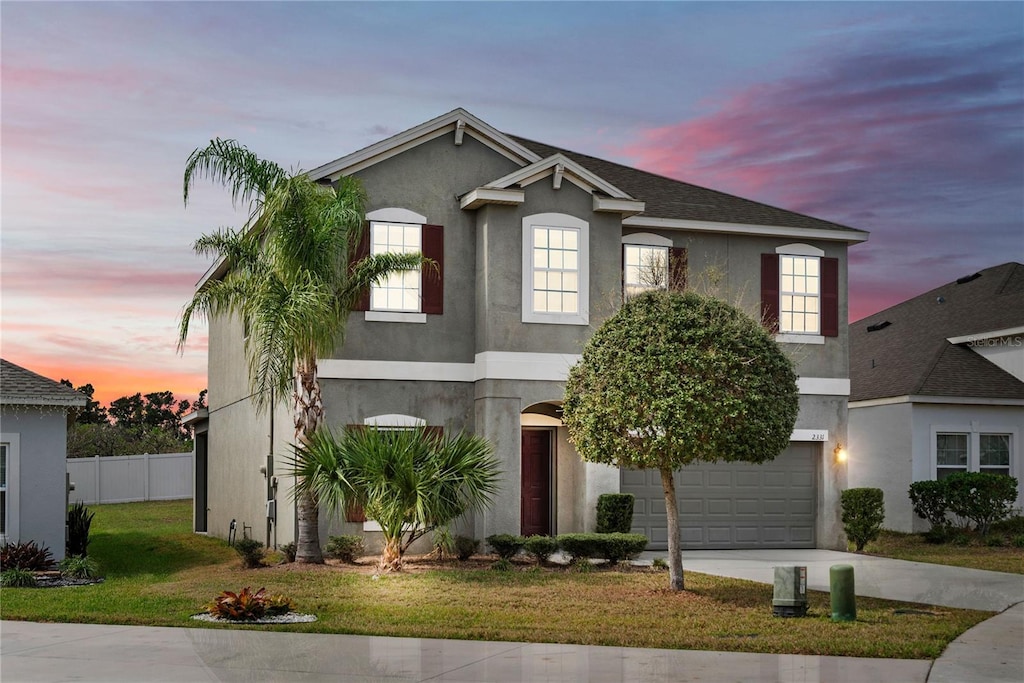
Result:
[[790, 599]]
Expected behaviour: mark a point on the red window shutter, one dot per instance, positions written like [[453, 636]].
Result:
[[362, 251], [770, 291], [830, 297], [354, 513], [433, 277], [677, 263]]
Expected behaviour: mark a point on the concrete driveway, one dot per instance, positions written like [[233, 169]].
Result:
[[876, 577]]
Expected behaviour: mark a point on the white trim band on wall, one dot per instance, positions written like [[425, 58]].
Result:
[[546, 367]]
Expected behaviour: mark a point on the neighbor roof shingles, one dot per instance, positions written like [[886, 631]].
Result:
[[912, 355], [24, 387]]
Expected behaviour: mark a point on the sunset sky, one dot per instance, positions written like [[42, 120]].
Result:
[[905, 119]]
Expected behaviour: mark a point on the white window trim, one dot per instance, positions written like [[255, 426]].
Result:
[[791, 337], [974, 430], [668, 266], [13, 441], [393, 215], [390, 421], [647, 238], [556, 220]]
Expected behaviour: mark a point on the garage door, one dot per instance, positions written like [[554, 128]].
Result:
[[733, 505]]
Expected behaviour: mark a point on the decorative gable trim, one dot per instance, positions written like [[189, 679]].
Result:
[[848, 236], [626, 207], [984, 336], [457, 122], [570, 170], [474, 199]]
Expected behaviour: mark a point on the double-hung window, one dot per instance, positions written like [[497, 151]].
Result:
[[799, 289], [555, 269], [800, 294], [399, 292], [973, 448], [644, 267]]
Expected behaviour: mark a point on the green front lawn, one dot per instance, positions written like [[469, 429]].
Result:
[[975, 554], [158, 573]]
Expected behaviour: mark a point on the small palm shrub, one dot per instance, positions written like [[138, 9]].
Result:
[[540, 547], [466, 547], [863, 514], [506, 546], [241, 606], [79, 521], [17, 578], [76, 567], [28, 556], [444, 543], [251, 551], [345, 548], [615, 513]]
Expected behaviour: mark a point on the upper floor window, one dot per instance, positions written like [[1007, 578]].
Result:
[[644, 267], [400, 291], [800, 293], [555, 269], [799, 289]]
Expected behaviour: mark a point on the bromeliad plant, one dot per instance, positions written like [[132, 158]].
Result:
[[248, 606], [28, 556], [411, 481]]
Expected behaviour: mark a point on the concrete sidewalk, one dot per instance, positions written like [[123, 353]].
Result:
[[54, 653], [992, 652]]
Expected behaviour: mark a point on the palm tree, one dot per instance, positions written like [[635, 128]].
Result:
[[288, 278], [411, 481]]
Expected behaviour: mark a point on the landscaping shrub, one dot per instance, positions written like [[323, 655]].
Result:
[[278, 604], [242, 606], [444, 544], [17, 578], [345, 548], [1010, 526], [579, 546], [995, 541], [288, 550], [466, 547], [615, 513], [1018, 541], [928, 499], [863, 514], [619, 546], [28, 556], [980, 497], [506, 546], [541, 547], [937, 535], [659, 563], [79, 567], [502, 565], [612, 547], [251, 552], [79, 521]]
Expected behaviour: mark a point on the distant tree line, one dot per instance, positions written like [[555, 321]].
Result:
[[130, 425]]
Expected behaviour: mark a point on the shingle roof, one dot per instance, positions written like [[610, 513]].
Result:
[[668, 198], [24, 387], [912, 356]]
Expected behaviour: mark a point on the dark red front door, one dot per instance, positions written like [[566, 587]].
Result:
[[536, 483]]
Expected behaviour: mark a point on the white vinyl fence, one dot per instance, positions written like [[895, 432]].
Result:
[[130, 478]]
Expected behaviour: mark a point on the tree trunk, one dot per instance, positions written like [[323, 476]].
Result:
[[675, 557], [309, 411], [391, 556]]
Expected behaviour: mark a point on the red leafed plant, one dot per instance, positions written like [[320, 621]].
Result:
[[242, 606]]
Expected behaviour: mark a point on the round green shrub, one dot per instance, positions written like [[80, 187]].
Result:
[[540, 547], [466, 547]]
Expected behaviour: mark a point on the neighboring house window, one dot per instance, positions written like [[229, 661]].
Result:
[[800, 293], [555, 269], [3, 490], [951, 454], [644, 268], [411, 295], [995, 453], [400, 291]]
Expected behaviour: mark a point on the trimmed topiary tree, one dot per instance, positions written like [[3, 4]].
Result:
[[615, 513], [863, 514], [673, 379]]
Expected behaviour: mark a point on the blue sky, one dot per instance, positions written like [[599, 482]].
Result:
[[904, 119]]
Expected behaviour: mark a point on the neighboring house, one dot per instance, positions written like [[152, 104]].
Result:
[[535, 246], [938, 387], [34, 417]]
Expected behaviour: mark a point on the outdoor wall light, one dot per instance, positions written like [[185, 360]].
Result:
[[840, 453]]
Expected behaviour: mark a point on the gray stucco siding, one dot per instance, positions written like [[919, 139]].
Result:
[[444, 404]]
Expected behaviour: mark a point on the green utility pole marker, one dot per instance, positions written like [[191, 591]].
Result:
[[844, 600]]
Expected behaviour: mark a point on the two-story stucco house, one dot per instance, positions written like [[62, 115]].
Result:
[[535, 247]]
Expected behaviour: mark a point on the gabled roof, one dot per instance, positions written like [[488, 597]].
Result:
[[913, 354], [19, 386], [674, 199]]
